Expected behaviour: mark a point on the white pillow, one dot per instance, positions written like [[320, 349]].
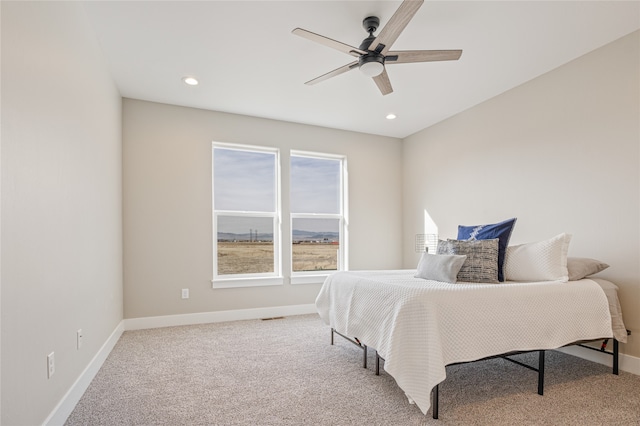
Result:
[[440, 267], [539, 261]]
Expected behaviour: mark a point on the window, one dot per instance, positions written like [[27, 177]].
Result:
[[246, 216], [318, 220]]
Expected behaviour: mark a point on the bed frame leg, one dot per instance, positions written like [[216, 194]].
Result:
[[364, 356], [434, 405], [377, 364], [332, 331], [540, 372], [615, 357]]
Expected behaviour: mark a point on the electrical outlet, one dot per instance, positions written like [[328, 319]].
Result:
[[79, 338], [185, 293], [51, 365]]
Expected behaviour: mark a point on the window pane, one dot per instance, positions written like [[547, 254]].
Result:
[[315, 185], [245, 245], [244, 180], [315, 244]]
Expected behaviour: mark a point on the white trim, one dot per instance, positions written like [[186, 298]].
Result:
[[628, 363], [245, 282], [68, 402], [315, 154], [218, 316], [344, 242]]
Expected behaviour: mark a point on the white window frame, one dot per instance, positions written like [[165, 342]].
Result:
[[315, 277], [253, 279]]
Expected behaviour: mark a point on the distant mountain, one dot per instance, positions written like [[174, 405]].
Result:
[[230, 236], [298, 235]]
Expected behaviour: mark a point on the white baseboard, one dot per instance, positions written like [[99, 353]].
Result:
[[628, 363], [219, 316], [66, 405]]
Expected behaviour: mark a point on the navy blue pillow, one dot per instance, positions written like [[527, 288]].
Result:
[[501, 231]]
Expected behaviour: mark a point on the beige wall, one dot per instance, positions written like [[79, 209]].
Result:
[[61, 204], [560, 153], [167, 205]]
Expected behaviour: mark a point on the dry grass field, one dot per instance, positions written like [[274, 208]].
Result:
[[315, 257], [246, 258]]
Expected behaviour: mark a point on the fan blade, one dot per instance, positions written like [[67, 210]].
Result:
[[406, 56], [394, 27], [383, 83], [333, 73], [345, 48]]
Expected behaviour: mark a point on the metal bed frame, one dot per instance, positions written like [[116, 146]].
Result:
[[615, 353]]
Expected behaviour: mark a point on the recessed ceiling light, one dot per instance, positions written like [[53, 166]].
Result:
[[391, 116], [191, 81]]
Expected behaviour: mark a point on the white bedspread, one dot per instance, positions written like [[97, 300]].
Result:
[[421, 326]]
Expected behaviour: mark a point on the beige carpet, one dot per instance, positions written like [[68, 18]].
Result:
[[285, 372]]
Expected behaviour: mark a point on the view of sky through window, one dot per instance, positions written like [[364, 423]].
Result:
[[315, 185], [244, 180]]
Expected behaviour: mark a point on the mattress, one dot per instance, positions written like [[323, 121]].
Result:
[[420, 326]]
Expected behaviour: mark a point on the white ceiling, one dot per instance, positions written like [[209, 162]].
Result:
[[248, 62]]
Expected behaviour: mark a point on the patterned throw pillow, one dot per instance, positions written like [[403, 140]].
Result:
[[481, 264], [501, 230]]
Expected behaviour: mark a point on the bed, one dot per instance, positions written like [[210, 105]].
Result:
[[420, 326]]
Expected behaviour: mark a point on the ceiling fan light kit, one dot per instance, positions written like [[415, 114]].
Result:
[[373, 53], [371, 65]]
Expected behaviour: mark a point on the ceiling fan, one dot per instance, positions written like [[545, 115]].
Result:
[[373, 53]]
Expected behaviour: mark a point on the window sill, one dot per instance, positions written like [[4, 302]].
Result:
[[246, 282], [309, 279]]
